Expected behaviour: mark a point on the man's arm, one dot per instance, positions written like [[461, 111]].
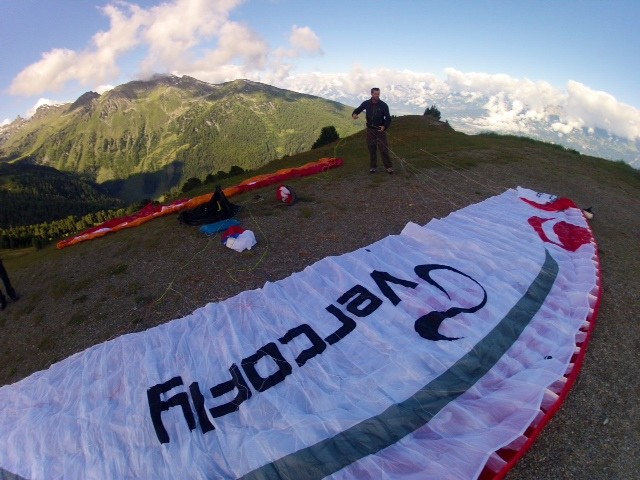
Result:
[[358, 110], [387, 117]]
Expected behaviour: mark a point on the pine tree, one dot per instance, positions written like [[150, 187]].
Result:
[[327, 135], [432, 111]]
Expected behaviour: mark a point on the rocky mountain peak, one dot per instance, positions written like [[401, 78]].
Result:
[[84, 101]]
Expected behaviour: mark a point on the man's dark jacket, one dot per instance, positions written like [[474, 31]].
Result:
[[377, 113]]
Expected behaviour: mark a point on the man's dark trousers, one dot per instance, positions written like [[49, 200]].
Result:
[[377, 139]]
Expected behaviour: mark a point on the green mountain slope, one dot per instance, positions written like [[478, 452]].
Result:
[[32, 194], [144, 137]]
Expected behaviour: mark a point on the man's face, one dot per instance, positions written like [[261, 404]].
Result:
[[375, 95]]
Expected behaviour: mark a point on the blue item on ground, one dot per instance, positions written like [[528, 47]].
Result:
[[216, 227]]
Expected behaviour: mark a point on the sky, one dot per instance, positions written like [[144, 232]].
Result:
[[583, 54]]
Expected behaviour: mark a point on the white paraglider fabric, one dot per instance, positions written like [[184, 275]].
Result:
[[415, 357]]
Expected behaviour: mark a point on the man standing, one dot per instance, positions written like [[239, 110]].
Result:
[[378, 121], [7, 285]]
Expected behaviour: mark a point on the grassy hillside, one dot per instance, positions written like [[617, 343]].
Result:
[[143, 138], [145, 276]]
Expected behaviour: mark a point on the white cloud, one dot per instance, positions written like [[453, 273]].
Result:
[[502, 114], [302, 42], [236, 43], [240, 53], [359, 81], [536, 95], [103, 88], [511, 101], [51, 73], [305, 39], [41, 102], [192, 37], [175, 28], [592, 108], [94, 65], [567, 128], [126, 25], [5, 122]]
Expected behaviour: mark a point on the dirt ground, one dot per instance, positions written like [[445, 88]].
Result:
[[139, 278]]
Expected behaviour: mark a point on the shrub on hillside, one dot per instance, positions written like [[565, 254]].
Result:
[[327, 135], [432, 111]]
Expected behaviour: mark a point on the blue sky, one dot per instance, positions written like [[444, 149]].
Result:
[[56, 50]]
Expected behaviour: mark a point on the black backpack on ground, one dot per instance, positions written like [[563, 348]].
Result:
[[216, 209]]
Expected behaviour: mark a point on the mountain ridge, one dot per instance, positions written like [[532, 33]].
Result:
[[169, 129]]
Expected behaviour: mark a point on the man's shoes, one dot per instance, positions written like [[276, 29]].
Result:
[[373, 170], [13, 295], [3, 303], [390, 171]]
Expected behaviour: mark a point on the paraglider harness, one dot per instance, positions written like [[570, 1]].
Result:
[[216, 209]]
